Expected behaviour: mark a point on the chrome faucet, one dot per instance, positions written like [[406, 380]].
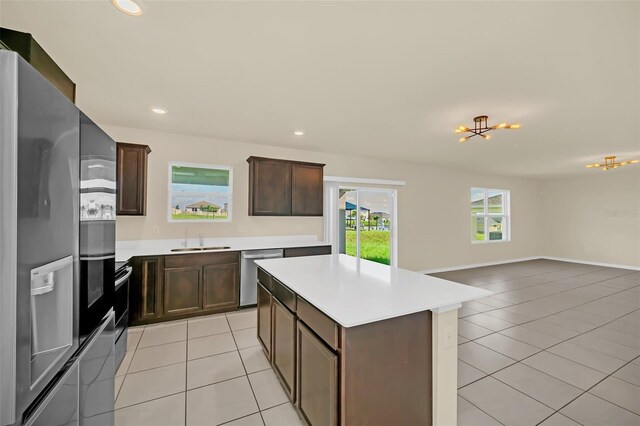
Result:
[[201, 236], [184, 243]]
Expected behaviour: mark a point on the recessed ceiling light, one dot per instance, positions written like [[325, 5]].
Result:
[[128, 6], [298, 133], [159, 110]]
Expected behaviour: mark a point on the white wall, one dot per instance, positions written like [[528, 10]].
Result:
[[594, 217], [433, 225]]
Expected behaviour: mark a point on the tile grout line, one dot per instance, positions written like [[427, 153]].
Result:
[[562, 341], [177, 393], [187, 360], [540, 284], [150, 400], [538, 298], [481, 410], [541, 350], [245, 370], [544, 350], [544, 282], [197, 387], [583, 391], [593, 386], [239, 418], [546, 316], [559, 269]]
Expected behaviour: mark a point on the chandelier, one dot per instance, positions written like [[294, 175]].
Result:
[[610, 163], [480, 128]]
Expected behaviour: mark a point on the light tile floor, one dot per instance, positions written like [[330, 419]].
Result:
[[557, 344], [203, 371]]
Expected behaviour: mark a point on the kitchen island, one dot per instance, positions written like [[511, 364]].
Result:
[[357, 342]]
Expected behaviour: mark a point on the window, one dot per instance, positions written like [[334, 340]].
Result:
[[199, 193], [489, 215]]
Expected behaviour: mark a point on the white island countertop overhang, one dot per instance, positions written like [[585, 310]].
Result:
[[354, 292]]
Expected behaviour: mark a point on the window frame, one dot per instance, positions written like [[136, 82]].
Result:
[[170, 218], [505, 215]]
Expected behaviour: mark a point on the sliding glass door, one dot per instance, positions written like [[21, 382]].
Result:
[[367, 225]]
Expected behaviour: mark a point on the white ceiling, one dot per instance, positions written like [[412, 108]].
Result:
[[377, 79]]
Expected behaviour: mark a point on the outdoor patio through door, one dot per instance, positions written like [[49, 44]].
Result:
[[366, 223]]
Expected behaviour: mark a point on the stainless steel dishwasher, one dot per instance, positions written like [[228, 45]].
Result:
[[249, 273]]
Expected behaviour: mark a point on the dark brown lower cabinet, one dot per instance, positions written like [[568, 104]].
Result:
[[182, 292], [283, 348], [220, 286], [317, 379], [264, 319], [146, 289], [166, 288], [307, 251]]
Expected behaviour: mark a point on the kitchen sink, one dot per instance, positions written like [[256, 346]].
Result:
[[200, 248]]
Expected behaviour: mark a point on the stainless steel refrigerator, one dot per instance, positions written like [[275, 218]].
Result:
[[41, 362]]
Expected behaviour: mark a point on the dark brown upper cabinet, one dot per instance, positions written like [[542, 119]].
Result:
[[27, 47], [306, 189], [269, 187], [132, 179], [284, 188]]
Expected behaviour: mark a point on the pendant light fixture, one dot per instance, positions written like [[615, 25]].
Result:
[[610, 163], [480, 128]]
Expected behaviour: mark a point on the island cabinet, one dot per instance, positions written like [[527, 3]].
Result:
[[264, 301], [285, 188], [301, 343], [181, 286], [372, 374], [283, 347]]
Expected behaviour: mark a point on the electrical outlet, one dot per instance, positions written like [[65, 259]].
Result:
[[155, 230], [448, 337]]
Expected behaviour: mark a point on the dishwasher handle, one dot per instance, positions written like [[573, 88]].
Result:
[[261, 256]]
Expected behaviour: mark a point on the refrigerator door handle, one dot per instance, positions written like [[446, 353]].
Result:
[[106, 321]]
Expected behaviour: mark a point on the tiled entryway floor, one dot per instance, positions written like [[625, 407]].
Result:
[[557, 344], [204, 371]]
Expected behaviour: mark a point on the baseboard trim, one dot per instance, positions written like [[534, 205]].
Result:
[[588, 262], [524, 259], [477, 265]]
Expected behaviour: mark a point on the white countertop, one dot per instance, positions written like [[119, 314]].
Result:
[[127, 249], [353, 293]]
